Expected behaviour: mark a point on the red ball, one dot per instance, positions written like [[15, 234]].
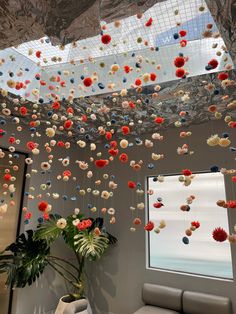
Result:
[[159, 120], [67, 173], [42, 206], [186, 172], [7, 177], [125, 130], [153, 76], [56, 105], [113, 151], [180, 72], [219, 234], [23, 110], [88, 81], [127, 69], [131, 184], [68, 124], [149, 22], [183, 43], [223, 76], [149, 226], [179, 62], [182, 33], [213, 63], [30, 145], [60, 144], [38, 54], [234, 179], [138, 82], [113, 144], [195, 224], [123, 158], [108, 135], [100, 163], [106, 39]]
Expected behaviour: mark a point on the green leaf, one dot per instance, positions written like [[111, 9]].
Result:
[[48, 230], [90, 245], [27, 260]]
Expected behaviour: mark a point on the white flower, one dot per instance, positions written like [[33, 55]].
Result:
[[3, 208], [45, 165], [12, 188], [81, 144], [61, 223], [76, 222], [50, 132]]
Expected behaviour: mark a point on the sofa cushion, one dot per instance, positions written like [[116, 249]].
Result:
[[162, 296], [195, 303], [154, 310]]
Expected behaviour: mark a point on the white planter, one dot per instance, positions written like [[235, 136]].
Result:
[[66, 306]]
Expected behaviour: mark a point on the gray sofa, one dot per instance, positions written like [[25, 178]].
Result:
[[165, 300]]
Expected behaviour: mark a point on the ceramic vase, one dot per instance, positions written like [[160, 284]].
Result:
[[67, 306]]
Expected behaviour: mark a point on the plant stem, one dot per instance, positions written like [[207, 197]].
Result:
[[65, 261], [60, 273], [71, 274]]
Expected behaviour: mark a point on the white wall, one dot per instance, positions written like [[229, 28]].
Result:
[[116, 281]]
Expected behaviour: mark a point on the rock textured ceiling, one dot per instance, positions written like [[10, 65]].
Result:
[[192, 95], [63, 21]]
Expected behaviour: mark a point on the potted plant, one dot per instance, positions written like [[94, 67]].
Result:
[[25, 259]]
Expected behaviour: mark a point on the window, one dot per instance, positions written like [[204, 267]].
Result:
[[203, 255]]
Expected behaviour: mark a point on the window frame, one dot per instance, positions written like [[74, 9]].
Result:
[[147, 236]]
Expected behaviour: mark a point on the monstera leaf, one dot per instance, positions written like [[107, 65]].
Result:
[[24, 260], [90, 245], [48, 230]]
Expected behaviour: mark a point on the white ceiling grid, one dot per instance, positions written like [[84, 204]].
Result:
[[124, 43]]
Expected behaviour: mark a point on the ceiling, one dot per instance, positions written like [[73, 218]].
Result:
[[104, 107]]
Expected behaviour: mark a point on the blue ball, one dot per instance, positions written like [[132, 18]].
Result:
[[64, 197], [133, 54], [216, 91], [90, 206], [82, 77], [40, 220], [72, 80], [124, 80], [157, 49], [232, 149], [107, 146], [154, 179], [26, 222], [214, 169], [225, 135], [185, 240], [176, 35], [101, 86], [78, 187], [208, 67], [41, 100], [150, 166]]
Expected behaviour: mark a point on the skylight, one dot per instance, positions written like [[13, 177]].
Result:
[[132, 40]]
